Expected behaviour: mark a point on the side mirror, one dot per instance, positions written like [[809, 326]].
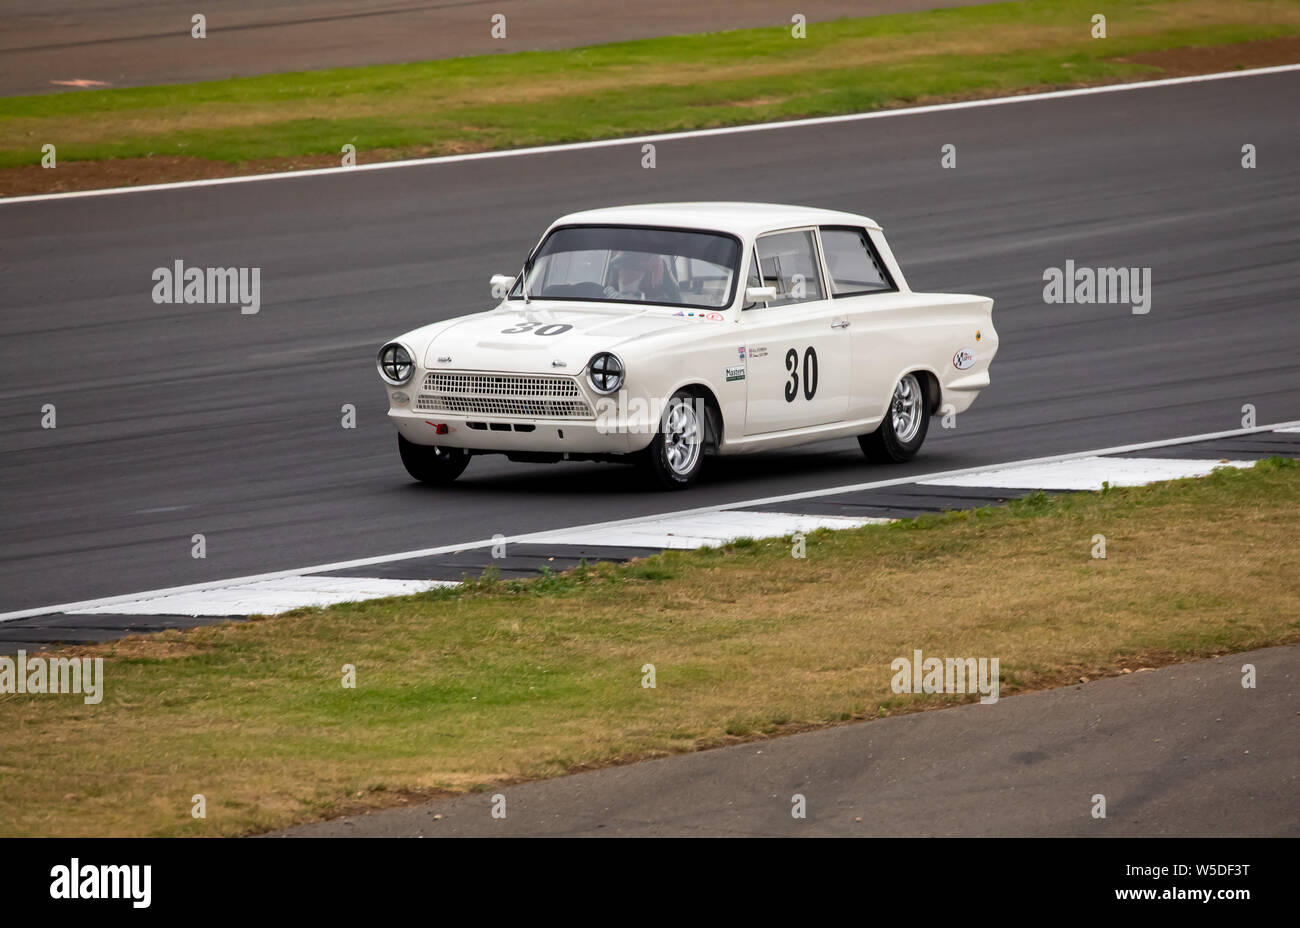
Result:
[[760, 294], [501, 284]]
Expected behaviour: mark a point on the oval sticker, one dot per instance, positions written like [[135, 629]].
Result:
[[964, 359]]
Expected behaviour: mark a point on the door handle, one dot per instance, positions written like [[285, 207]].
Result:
[[842, 324]]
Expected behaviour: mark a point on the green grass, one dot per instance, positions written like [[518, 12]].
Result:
[[531, 98], [504, 680]]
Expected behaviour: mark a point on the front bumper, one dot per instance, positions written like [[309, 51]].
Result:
[[543, 436]]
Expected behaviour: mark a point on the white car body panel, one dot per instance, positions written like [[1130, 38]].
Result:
[[888, 334]]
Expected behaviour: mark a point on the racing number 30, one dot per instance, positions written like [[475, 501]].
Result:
[[809, 374], [554, 328]]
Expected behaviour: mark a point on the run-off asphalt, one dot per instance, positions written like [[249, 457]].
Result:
[[1184, 750]]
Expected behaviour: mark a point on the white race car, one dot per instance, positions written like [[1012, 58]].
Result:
[[658, 333]]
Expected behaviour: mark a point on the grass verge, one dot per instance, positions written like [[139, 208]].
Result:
[[503, 681], [303, 119]]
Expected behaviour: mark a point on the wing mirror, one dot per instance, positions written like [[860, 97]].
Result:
[[760, 294], [501, 284]]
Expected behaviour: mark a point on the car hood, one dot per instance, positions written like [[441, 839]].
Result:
[[534, 339]]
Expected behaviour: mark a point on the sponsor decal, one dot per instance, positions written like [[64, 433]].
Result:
[[758, 352], [736, 373], [964, 359], [741, 352]]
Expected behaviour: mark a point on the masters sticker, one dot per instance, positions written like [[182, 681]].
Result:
[[736, 373]]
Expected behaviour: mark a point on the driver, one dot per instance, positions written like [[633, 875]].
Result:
[[640, 276]]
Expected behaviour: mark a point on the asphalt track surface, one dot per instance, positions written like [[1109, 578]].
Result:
[[1181, 751], [175, 420], [134, 42]]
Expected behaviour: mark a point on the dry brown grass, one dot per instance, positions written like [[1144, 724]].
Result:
[[497, 684]]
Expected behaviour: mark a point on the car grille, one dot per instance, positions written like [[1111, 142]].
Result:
[[503, 395]]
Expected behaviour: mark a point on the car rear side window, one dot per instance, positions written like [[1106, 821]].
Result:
[[853, 264], [788, 262]]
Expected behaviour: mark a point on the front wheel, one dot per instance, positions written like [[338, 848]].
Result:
[[901, 432], [676, 455], [432, 463]]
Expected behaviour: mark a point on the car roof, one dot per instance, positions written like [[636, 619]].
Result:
[[748, 219]]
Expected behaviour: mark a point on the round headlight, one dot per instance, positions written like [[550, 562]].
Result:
[[395, 364], [605, 372]]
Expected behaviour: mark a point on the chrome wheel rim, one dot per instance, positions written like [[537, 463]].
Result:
[[681, 438], [905, 409]]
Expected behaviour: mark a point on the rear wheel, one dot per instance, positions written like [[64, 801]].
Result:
[[676, 455], [902, 431], [432, 463]]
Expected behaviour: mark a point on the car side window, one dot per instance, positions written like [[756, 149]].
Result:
[[788, 262], [852, 263]]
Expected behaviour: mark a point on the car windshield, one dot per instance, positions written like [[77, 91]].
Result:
[[667, 267]]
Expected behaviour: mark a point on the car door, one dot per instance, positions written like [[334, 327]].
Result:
[[797, 346], [859, 283]]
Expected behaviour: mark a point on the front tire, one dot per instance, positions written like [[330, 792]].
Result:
[[432, 464], [676, 455], [902, 432]]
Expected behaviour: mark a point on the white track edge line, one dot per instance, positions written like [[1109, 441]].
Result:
[[720, 507], [667, 136]]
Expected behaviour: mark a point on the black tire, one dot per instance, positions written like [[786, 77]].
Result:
[[886, 445], [432, 463], [672, 462]]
